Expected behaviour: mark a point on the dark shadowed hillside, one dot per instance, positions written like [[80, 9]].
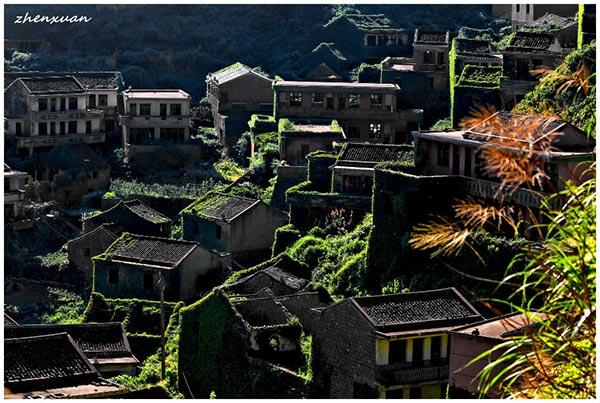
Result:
[[167, 46]]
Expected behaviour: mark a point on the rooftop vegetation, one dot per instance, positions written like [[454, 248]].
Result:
[[480, 77]]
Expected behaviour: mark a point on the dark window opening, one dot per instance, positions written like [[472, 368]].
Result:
[[329, 104], [436, 350], [394, 394], [148, 281], [397, 351], [417, 349], [175, 109], [443, 154], [163, 110], [103, 100], [305, 150], [341, 103], [317, 98], [18, 128], [295, 99], [43, 128], [53, 105], [88, 126], [63, 104], [42, 104], [145, 109], [72, 103], [133, 109], [353, 101], [218, 232], [441, 58], [428, 57], [376, 99], [92, 101], [371, 40], [62, 127], [113, 275], [72, 127], [375, 130], [52, 128]]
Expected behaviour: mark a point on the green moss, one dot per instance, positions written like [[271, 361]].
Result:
[[480, 77], [284, 237], [580, 13], [452, 78], [254, 119], [285, 125], [335, 126], [125, 239], [208, 201]]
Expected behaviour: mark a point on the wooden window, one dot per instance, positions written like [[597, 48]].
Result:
[[397, 351], [145, 109], [175, 109], [443, 153], [113, 275], [295, 99], [72, 103]]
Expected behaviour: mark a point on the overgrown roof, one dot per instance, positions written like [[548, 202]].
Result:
[[365, 22], [374, 153], [423, 309], [431, 37], [472, 46], [96, 340], [275, 273], [232, 72], [480, 76], [52, 85], [553, 23], [164, 253], [535, 41], [45, 361], [220, 206]]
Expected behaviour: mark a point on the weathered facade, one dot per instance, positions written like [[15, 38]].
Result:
[[234, 93], [365, 111], [526, 53], [17, 189], [137, 266], [90, 244], [238, 225], [304, 137], [525, 14], [42, 112], [388, 346]]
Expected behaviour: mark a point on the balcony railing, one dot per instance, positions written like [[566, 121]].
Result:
[[41, 141], [79, 114], [407, 373], [493, 190]]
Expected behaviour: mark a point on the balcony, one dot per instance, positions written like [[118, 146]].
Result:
[[407, 373], [44, 141], [493, 190], [155, 121], [79, 114]]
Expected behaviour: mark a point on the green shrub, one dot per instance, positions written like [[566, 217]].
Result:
[[284, 237]]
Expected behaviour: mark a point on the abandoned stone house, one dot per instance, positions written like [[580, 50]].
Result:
[[238, 225], [154, 119], [67, 172], [565, 150], [105, 345], [278, 281], [138, 266], [526, 14], [366, 37], [477, 87], [526, 52], [42, 112], [52, 366], [303, 137], [474, 52], [470, 341], [17, 190], [82, 249], [234, 93], [130, 216], [388, 346], [365, 111], [564, 29]]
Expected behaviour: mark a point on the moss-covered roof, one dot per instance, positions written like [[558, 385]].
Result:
[[232, 72], [220, 206], [481, 76]]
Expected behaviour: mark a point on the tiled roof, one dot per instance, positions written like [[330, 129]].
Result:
[[426, 36], [415, 307], [374, 153], [502, 327], [48, 359], [366, 21], [52, 85], [87, 79], [530, 41], [96, 340], [263, 312], [165, 252], [553, 22], [232, 72], [464, 45], [277, 274], [141, 210], [221, 206]]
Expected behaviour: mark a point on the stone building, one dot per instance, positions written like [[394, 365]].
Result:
[[457, 153], [525, 14], [137, 266], [236, 92], [17, 189], [130, 216], [526, 52], [430, 54], [563, 28], [154, 120], [278, 280], [476, 52], [42, 112], [470, 341], [365, 111], [52, 366], [388, 346], [105, 345], [67, 172], [476, 87], [82, 249], [366, 37], [303, 137], [238, 225]]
